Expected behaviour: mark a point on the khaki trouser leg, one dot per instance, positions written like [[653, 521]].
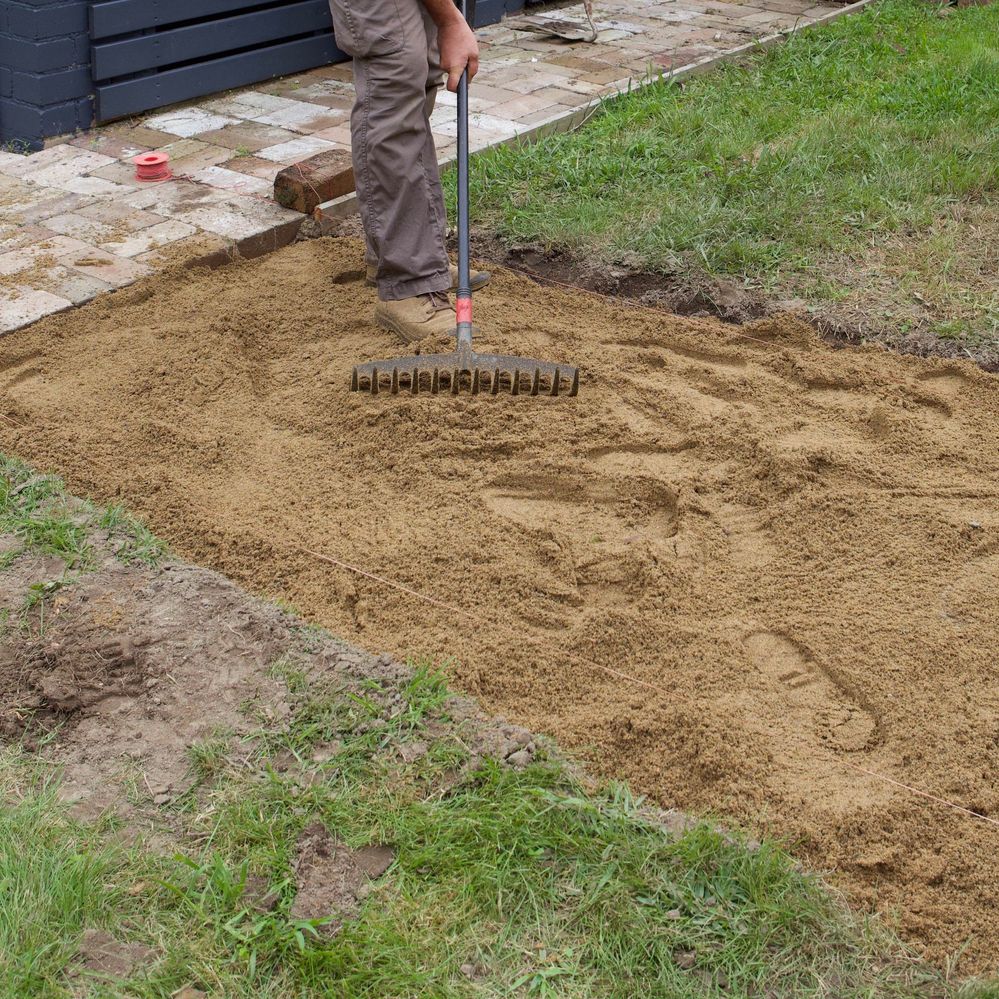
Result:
[[396, 77]]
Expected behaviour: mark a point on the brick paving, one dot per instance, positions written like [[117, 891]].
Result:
[[74, 221]]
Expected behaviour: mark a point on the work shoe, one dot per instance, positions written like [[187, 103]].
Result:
[[479, 279], [415, 319]]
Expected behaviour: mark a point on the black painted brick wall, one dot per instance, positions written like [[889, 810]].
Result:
[[45, 86]]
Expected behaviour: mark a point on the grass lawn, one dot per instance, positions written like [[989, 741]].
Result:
[[855, 165], [504, 882]]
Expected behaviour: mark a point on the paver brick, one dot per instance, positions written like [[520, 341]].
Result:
[[135, 135], [246, 104], [295, 150], [19, 166], [14, 236], [339, 135], [80, 227], [94, 187], [51, 201], [231, 180], [551, 113], [119, 172], [521, 106], [22, 305], [224, 221], [71, 284], [253, 166], [51, 247], [150, 238], [248, 135], [69, 167], [198, 159], [188, 122], [169, 198], [107, 267], [302, 117], [108, 144]]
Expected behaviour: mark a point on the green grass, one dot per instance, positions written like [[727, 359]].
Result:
[[36, 509], [33, 508], [863, 128], [42, 519], [545, 888]]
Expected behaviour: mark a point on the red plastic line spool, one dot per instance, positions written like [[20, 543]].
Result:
[[152, 166]]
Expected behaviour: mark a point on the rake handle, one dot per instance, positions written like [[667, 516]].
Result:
[[463, 302]]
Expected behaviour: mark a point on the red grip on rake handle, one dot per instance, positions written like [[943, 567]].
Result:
[[463, 310]]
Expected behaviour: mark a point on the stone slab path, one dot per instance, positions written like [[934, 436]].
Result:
[[74, 221]]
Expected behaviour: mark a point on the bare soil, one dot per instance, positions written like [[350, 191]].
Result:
[[790, 552], [331, 878], [125, 668]]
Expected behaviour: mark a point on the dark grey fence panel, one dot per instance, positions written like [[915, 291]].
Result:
[[142, 93], [142, 53], [119, 17]]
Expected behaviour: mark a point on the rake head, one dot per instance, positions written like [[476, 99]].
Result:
[[465, 370]]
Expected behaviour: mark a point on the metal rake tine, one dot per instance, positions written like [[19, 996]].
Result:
[[448, 371]]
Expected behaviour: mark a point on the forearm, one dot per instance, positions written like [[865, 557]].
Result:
[[459, 52], [442, 12]]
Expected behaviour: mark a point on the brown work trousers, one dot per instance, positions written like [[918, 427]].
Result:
[[396, 77]]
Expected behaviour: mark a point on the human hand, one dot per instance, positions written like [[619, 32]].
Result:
[[458, 50]]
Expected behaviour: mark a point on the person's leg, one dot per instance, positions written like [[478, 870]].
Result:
[[435, 81], [395, 167]]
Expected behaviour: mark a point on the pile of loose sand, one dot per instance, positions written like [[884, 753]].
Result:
[[796, 549]]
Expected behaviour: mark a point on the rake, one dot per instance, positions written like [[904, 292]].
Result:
[[465, 368]]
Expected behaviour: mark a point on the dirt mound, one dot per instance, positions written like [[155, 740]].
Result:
[[331, 877], [794, 550]]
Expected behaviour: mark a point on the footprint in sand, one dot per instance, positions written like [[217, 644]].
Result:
[[609, 525], [949, 383], [710, 358], [809, 708], [750, 545], [939, 394], [16, 369], [648, 460], [808, 722], [581, 507], [967, 601]]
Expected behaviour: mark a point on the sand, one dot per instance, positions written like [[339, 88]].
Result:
[[793, 550]]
